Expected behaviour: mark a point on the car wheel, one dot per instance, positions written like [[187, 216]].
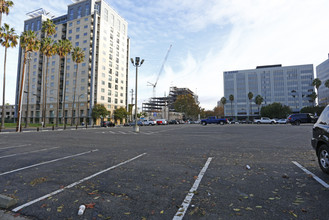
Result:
[[297, 123], [221, 123], [272, 122], [204, 123], [323, 158]]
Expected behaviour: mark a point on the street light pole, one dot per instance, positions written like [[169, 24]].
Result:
[[136, 64]]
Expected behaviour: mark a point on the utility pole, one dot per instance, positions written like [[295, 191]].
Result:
[[132, 103]]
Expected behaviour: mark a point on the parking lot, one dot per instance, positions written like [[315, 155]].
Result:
[[242, 171]]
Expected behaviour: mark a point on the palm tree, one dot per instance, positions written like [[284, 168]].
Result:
[[250, 96], [63, 47], [4, 8], [313, 97], [48, 49], [48, 28], [231, 98], [30, 43], [327, 84], [258, 100], [317, 83], [223, 101], [8, 39], [78, 57]]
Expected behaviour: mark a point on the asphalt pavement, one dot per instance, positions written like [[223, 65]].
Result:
[[164, 172]]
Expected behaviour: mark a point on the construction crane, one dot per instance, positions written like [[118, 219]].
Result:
[[161, 69]]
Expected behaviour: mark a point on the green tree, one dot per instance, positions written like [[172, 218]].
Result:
[[218, 111], [313, 97], [29, 43], [258, 101], [317, 83], [48, 50], [275, 110], [62, 47], [223, 101], [8, 39], [250, 96], [316, 110], [326, 84], [187, 105], [231, 98], [4, 8], [99, 111], [77, 57], [120, 114]]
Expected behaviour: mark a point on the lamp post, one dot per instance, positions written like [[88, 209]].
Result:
[[28, 90], [137, 64], [78, 119]]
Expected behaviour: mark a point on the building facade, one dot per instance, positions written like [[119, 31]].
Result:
[[102, 77], [322, 72], [9, 113], [289, 85]]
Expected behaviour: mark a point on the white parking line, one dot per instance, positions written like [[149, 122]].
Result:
[[12, 155], [313, 175], [111, 132], [46, 162], [121, 132], [24, 145], [74, 184], [182, 210]]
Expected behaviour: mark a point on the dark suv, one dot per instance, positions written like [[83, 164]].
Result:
[[297, 119], [320, 140]]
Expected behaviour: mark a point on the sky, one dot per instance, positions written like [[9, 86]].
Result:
[[208, 37]]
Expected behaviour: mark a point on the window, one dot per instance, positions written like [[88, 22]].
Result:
[[76, 44], [83, 80], [68, 60], [53, 63], [71, 14], [38, 25], [68, 68], [70, 24], [77, 29], [77, 36], [83, 64], [109, 85], [86, 19], [109, 100], [85, 34], [82, 88], [79, 12], [26, 27], [86, 11], [78, 21], [52, 84], [86, 26], [102, 98], [85, 41], [32, 26], [70, 38], [103, 82], [106, 14], [70, 31]]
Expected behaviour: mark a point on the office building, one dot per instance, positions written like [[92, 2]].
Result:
[[288, 85], [102, 77], [322, 72]]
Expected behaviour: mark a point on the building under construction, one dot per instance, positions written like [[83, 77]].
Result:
[[166, 104]]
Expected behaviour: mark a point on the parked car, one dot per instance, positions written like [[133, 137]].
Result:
[[139, 123], [107, 124], [214, 120], [173, 122], [320, 141], [282, 121], [264, 120], [149, 122], [297, 119], [161, 121]]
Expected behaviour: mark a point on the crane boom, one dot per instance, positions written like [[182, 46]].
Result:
[[161, 69]]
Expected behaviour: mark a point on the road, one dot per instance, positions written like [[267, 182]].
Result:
[[164, 172]]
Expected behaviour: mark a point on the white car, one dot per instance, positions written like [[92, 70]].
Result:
[[282, 121], [149, 122], [161, 122]]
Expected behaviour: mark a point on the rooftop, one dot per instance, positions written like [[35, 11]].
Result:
[[39, 12]]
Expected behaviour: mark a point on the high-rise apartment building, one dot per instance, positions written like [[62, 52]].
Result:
[[322, 72], [289, 85], [102, 77]]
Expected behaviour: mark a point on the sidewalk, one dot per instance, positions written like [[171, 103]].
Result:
[[6, 215]]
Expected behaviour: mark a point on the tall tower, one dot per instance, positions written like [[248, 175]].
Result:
[[102, 77]]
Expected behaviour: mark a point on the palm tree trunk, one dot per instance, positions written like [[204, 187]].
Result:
[[231, 109], [28, 91], [64, 94], [58, 91], [43, 92], [3, 114], [46, 86], [18, 126], [75, 88]]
